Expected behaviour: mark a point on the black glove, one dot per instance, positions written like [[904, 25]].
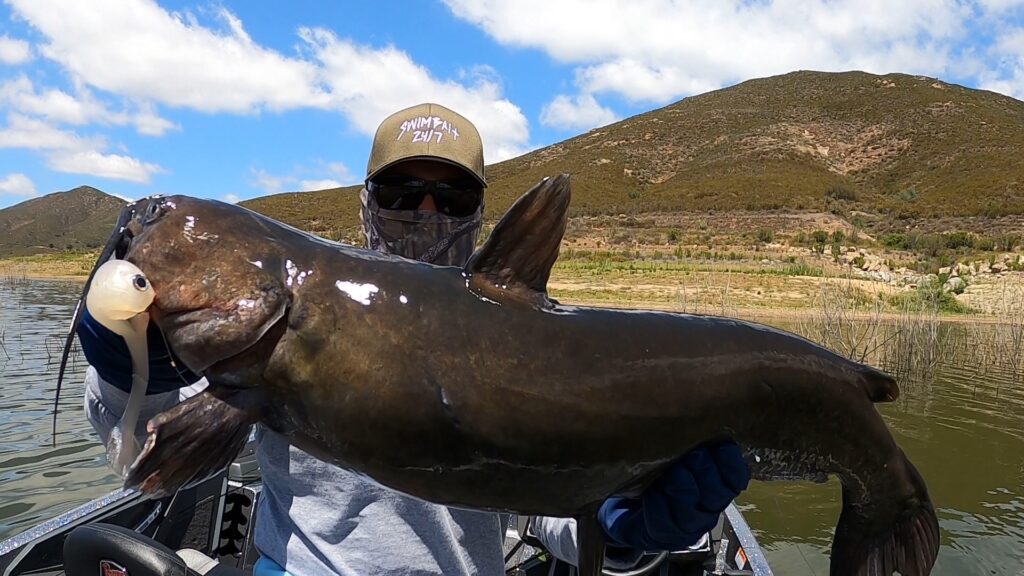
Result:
[[680, 506]]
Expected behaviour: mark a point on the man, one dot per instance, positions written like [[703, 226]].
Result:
[[424, 200]]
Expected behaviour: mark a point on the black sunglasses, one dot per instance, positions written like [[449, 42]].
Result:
[[457, 199]]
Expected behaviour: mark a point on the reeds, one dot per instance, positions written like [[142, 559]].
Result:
[[846, 320], [909, 337], [999, 345], [709, 295], [903, 336], [12, 276], [3, 346]]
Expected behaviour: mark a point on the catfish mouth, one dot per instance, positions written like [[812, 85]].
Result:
[[245, 368], [207, 339]]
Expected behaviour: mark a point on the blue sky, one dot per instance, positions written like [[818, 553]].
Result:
[[233, 100]]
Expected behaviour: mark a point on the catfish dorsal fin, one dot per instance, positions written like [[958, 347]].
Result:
[[516, 259]]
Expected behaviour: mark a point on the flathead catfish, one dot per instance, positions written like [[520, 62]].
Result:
[[471, 388]]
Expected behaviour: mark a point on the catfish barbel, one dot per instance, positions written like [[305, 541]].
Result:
[[471, 388]]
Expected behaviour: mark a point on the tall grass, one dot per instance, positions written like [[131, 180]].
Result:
[[905, 337], [709, 295], [1000, 345], [845, 320], [3, 346], [909, 336], [918, 341]]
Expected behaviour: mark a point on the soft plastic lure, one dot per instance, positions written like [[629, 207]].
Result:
[[118, 299]]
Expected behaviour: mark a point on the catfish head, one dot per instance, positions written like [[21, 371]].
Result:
[[205, 261]]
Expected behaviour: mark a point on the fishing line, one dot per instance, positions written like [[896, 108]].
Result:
[[170, 357]]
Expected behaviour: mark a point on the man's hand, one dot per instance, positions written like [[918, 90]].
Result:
[[682, 505]]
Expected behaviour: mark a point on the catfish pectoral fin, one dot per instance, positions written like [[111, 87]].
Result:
[[590, 543], [880, 387], [902, 537], [192, 441]]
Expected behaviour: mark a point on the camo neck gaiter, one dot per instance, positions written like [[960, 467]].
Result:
[[426, 236]]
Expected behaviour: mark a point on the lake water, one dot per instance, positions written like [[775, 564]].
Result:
[[961, 422], [37, 479]]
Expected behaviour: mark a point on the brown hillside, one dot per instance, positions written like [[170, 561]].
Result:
[[331, 213], [906, 145], [937, 156], [78, 219]]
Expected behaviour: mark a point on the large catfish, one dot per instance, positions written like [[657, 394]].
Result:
[[471, 388]]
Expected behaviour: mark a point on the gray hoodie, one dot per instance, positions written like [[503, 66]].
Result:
[[314, 518]]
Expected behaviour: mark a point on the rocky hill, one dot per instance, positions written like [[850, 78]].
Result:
[[891, 153], [78, 219], [904, 145], [859, 145]]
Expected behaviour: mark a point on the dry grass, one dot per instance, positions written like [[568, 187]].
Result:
[[910, 341], [61, 265], [845, 320]]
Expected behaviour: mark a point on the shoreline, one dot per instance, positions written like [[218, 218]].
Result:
[[741, 306]]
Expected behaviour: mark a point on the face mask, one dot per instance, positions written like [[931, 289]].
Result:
[[426, 236]]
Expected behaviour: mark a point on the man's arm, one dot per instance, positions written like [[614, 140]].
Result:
[[673, 513]]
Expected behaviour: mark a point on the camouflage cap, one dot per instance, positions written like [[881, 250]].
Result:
[[428, 132]]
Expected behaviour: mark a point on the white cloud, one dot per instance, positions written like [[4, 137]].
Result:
[[342, 173], [232, 198], [270, 184], [148, 122], [14, 51], [56, 105], [66, 151], [319, 184], [366, 96], [83, 108], [137, 49], [215, 66], [17, 185], [113, 166], [33, 134], [337, 175], [658, 50], [1001, 5], [576, 113]]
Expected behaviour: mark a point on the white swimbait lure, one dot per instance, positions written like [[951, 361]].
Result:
[[118, 299]]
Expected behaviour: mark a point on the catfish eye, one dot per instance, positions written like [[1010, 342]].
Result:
[[153, 211], [140, 282]]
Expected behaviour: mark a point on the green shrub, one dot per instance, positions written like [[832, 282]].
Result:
[[929, 295], [840, 192], [820, 239], [956, 240], [897, 240]]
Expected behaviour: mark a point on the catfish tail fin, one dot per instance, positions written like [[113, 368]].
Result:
[[885, 538]]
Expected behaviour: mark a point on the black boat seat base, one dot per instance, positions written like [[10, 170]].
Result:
[[100, 549]]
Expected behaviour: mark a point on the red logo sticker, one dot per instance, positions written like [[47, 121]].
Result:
[[111, 568]]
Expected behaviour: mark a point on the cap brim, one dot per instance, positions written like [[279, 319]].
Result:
[[466, 169]]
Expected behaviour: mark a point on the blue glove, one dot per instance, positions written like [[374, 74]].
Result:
[[108, 354], [682, 505]]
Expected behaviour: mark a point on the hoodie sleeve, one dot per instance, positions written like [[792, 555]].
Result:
[[559, 537]]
